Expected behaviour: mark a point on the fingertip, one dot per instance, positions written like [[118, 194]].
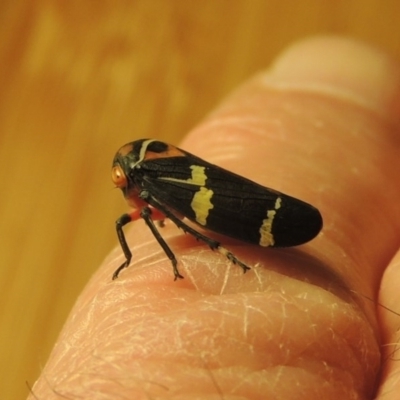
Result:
[[341, 66]]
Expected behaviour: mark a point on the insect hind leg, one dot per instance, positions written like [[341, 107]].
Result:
[[213, 244], [230, 256]]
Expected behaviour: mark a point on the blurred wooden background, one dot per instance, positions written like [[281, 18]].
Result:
[[81, 78]]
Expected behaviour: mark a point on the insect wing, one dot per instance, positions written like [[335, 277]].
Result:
[[229, 204]]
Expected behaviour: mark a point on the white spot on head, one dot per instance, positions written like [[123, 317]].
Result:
[[142, 152]]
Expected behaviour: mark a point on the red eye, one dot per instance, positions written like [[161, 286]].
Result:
[[118, 177]]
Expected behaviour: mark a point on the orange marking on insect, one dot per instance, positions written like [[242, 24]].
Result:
[[172, 151]]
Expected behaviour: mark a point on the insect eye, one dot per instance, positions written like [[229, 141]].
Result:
[[118, 177]]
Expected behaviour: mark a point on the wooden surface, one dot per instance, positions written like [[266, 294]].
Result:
[[78, 80]]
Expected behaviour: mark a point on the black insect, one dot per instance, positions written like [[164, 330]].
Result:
[[162, 181]]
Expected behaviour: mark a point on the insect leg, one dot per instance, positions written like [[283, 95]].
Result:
[[146, 215], [213, 244], [120, 223]]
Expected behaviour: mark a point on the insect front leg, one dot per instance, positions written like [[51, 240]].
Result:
[[120, 223]]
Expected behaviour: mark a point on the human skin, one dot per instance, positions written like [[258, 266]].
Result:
[[322, 125]]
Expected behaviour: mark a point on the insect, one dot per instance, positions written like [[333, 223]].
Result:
[[162, 181]]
